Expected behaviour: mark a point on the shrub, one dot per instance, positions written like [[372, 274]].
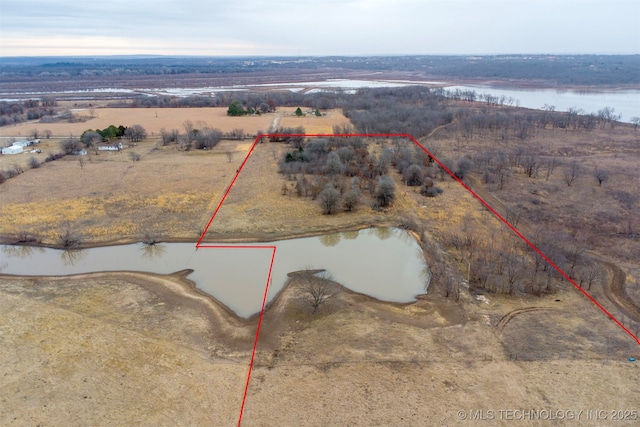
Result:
[[414, 175], [329, 199], [34, 163], [431, 191], [463, 168], [385, 191]]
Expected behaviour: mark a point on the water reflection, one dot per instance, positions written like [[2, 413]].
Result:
[[383, 233], [425, 275], [350, 235], [21, 251], [330, 239], [72, 256], [153, 251]]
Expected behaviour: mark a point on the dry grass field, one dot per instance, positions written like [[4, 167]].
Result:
[[155, 119], [119, 199], [152, 119], [313, 124], [168, 193], [116, 349]]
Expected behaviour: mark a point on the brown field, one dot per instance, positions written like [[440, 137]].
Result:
[[311, 123], [106, 349], [154, 119]]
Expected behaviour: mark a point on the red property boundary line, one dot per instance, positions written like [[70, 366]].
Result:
[[199, 243]]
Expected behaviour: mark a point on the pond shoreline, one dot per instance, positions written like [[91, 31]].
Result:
[[253, 237], [365, 259]]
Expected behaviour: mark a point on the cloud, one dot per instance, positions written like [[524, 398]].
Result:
[[329, 27]]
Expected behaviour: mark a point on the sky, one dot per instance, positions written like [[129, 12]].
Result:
[[317, 27]]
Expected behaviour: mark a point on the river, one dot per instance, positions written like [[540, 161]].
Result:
[[624, 102]]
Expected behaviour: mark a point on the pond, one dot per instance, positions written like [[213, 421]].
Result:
[[385, 263]]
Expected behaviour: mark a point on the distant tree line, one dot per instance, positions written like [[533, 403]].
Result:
[[558, 69], [13, 112]]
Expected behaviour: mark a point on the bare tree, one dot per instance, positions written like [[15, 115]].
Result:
[[636, 123], [608, 115], [34, 163], [34, 134], [503, 177], [49, 101], [513, 217], [135, 157], [627, 199], [329, 198], [135, 133], [229, 155], [463, 167], [68, 239], [334, 165], [81, 161], [414, 175], [47, 133], [590, 275], [316, 285], [575, 254], [571, 173], [68, 146], [448, 164], [514, 270], [91, 139], [550, 165], [601, 175], [385, 191], [351, 199], [167, 137], [531, 166], [236, 134], [189, 130]]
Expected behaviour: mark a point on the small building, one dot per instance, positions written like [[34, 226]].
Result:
[[111, 147], [81, 152], [23, 143], [14, 149]]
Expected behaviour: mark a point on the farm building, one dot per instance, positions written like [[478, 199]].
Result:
[[14, 149], [23, 143], [111, 147]]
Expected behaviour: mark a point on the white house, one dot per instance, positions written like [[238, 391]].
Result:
[[111, 147], [14, 149]]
